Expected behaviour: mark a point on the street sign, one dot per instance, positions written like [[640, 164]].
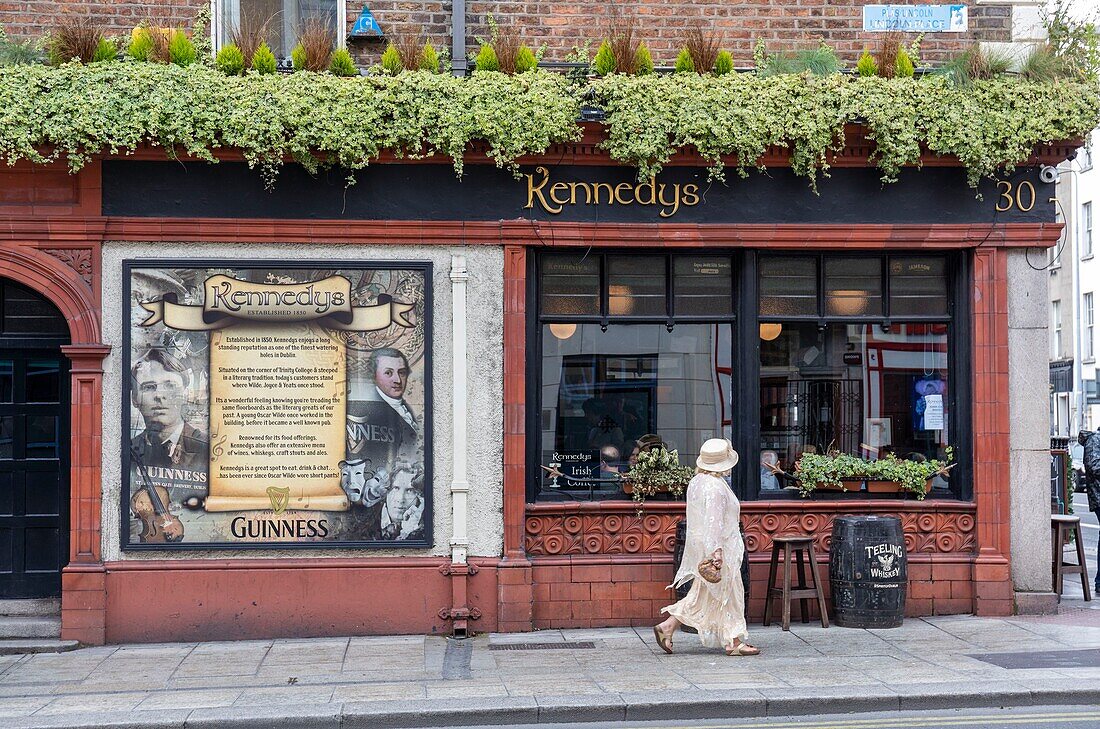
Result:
[[915, 18]]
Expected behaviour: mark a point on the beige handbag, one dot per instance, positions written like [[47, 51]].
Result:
[[710, 571]]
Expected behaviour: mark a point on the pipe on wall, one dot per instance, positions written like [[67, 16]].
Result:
[[458, 37], [459, 570]]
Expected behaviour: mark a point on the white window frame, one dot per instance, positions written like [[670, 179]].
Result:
[[1086, 230], [1056, 329], [1085, 158], [1087, 321], [217, 21]]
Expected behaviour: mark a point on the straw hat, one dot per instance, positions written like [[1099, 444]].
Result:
[[717, 455]]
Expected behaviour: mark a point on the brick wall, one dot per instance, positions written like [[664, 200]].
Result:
[[34, 18], [598, 592], [784, 24]]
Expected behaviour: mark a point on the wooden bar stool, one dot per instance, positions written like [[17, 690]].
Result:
[[799, 547], [1061, 526]]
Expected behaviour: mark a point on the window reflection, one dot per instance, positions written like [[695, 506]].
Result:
[[607, 395], [863, 389]]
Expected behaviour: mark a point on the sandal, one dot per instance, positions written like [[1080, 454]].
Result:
[[742, 649], [663, 640]]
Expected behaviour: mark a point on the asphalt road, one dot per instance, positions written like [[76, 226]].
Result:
[[1031, 717]]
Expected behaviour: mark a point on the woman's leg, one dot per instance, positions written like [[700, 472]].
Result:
[[669, 626], [1096, 584]]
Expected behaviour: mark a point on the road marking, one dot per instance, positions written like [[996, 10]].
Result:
[[983, 721]]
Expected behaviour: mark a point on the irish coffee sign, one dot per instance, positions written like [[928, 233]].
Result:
[[277, 406]]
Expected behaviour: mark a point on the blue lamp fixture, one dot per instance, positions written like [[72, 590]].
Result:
[[366, 26]]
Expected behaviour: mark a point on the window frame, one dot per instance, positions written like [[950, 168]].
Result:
[[218, 22], [1086, 230], [1088, 321], [605, 319], [745, 320], [1056, 329]]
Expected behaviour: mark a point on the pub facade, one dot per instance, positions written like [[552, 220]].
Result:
[[324, 409]]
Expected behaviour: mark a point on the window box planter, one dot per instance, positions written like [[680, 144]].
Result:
[[877, 486]]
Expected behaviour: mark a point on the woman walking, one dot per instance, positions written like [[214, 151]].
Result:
[[715, 608]]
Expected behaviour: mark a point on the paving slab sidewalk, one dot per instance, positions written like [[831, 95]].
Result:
[[556, 676]]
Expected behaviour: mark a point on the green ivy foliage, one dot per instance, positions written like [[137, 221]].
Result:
[[74, 112], [989, 125]]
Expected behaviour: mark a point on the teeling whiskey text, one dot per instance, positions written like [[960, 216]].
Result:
[[554, 196]]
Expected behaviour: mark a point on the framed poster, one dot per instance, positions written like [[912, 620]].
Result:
[[276, 404]]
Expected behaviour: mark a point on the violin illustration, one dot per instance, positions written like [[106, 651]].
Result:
[[149, 504]]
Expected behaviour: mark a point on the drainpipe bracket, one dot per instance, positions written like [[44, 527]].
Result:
[[456, 568], [472, 613]]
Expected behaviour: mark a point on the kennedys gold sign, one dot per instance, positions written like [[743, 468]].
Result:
[[554, 196]]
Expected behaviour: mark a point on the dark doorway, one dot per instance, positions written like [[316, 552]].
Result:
[[34, 444]]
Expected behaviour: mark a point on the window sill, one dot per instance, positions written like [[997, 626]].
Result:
[[1088, 360], [1089, 257]]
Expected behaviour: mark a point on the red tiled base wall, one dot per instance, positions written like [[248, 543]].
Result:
[[236, 600], [610, 592]]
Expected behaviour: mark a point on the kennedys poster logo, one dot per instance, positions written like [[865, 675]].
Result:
[[230, 301], [885, 560]]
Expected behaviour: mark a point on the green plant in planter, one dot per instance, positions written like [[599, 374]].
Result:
[[525, 60], [106, 50], [342, 65], [141, 44], [429, 58], [604, 62], [391, 60], [643, 60], [655, 471], [723, 64], [815, 471], [866, 65], [229, 61], [181, 51], [486, 59], [684, 62], [263, 60], [905, 67]]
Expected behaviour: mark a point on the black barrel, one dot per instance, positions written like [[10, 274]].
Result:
[[868, 571]]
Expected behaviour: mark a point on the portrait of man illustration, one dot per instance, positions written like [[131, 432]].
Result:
[[399, 514], [382, 427], [158, 390]]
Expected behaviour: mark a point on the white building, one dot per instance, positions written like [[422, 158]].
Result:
[[1074, 288]]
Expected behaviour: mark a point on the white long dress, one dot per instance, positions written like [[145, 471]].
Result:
[[716, 610]]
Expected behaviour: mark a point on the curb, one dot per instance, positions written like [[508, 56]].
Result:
[[650, 706]]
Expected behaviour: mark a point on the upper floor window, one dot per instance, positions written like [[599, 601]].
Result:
[[1085, 158], [1086, 229], [278, 22], [1056, 329], [1087, 344]]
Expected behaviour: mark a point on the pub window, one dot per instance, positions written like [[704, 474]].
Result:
[[855, 356], [278, 22], [635, 352]]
